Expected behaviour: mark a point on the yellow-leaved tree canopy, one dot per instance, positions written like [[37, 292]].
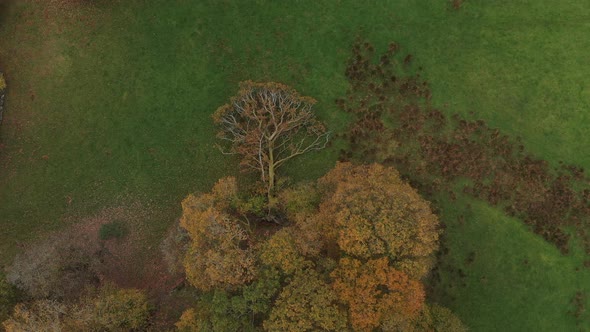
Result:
[[369, 212], [350, 254], [218, 256]]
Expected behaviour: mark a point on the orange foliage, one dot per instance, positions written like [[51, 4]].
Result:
[[357, 243], [376, 214], [300, 207], [218, 255], [374, 290]]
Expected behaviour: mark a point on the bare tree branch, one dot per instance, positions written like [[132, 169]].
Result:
[[269, 124]]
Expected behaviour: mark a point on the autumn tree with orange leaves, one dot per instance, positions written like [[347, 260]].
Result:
[[216, 257], [373, 213], [351, 255], [268, 124], [374, 291]]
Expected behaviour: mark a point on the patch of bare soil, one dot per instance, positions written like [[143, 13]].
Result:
[[131, 261]]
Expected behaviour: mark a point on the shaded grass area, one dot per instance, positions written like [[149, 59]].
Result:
[[113, 101]]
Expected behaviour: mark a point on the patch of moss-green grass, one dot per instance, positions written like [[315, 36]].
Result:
[[113, 230], [498, 276]]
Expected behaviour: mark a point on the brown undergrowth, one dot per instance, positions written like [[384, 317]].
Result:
[[396, 123], [131, 260]]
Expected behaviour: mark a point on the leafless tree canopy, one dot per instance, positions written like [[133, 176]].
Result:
[[268, 124]]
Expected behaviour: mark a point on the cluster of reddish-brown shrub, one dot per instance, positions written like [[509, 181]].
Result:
[[396, 124]]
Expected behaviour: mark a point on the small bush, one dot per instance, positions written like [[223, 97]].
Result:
[[191, 321], [113, 230], [255, 205], [2, 82], [114, 309], [300, 198], [457, 4]]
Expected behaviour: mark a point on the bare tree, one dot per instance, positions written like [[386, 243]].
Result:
[[269, 124]]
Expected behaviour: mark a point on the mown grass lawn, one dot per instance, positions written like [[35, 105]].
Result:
[[110, 103]]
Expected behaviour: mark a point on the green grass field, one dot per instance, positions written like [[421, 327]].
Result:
[[509, 279], [110, 103]]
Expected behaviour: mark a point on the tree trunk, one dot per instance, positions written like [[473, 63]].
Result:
[[271, 172]]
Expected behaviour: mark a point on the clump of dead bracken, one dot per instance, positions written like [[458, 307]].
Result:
[[396, 123]]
